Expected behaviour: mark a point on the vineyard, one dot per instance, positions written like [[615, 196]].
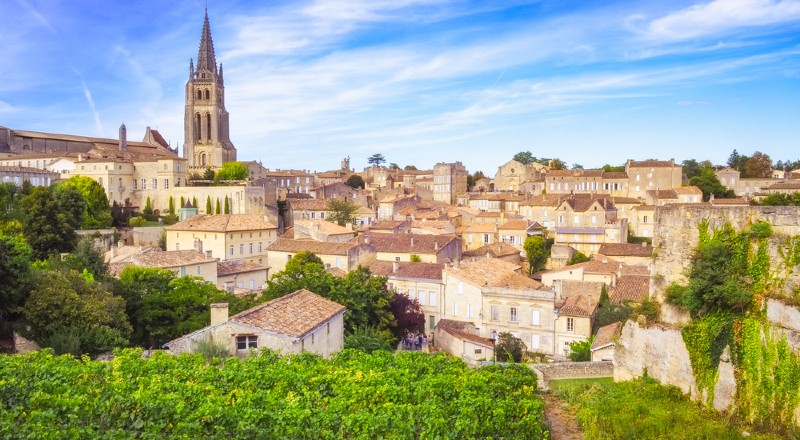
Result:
[[354, 395]]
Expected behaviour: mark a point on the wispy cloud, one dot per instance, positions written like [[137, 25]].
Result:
[[6, 107], [41, 19], [721, 16]]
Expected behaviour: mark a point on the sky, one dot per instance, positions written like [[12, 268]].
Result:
[[309, 83]]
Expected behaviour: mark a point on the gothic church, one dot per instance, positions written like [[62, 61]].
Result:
[[206, 127]]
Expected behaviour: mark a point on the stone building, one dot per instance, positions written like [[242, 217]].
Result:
[[206, 122], [224, 236], [449, 181]]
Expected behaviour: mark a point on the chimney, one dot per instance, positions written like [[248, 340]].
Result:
[[123, 138], [488, 255], [198, 245], [436, 245], [219, 313], [396, 264], [412, 241]]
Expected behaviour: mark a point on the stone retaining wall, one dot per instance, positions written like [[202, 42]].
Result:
[[570, 370]]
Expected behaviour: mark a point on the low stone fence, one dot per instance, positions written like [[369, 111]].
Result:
[[570, 370]]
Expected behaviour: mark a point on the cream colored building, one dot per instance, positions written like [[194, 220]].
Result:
[[241, 275], [604, 343], [586, 222], [478, 235], [462, 340], [341, 255], [299, 321], [420, 281], [429, 248], [574, 321], [449, 181], [224, 236]]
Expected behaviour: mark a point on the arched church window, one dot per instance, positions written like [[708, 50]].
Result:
[[208, 126], [199, 94], [197, 127], [208, 95]]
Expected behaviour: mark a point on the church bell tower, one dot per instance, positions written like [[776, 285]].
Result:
[[206, 128]]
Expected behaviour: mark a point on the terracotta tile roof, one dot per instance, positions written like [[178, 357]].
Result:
[[645, 208], [335, 271], [225, 268], [662, 193], [223, 223], [325, 226], [424, 271], [651, 163], [317, 247], [634, 269], [410, 243], [582, 204], [293, 315], [298, 196], [519, 225], [596, 265], [606, 335], [171, 258], [430, 224], [688, 190], [630, 288], [729, 202], [386, 224], [784, 185], [493, 272], [309, 204], [459, 329], [615, 175], [488, 214], [625, 250], [578, 305], [114, 269], [626, 201], [490, 228], [543, 200], [496, 250]]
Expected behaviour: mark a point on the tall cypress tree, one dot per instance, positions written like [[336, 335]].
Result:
[[208, 205], [227, 206], [218, 210]]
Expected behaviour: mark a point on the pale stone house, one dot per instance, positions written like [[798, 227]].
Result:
[[586, 222], [499, 250], [299, 321], [643, 220], [541, 209], [652, 174], [342, 255], [241, 275], [390, 227], [513, 175], [478, 235], [462, 339], [420, 281], [224, 236], [573, 322], [430, 248], [689, 194], [628, 253], [514, 233], [449, 181], [322, 230], [605, 342], [19, 175], [598, 269]]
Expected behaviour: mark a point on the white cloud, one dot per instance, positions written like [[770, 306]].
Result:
[[721, 16], [6, 107]]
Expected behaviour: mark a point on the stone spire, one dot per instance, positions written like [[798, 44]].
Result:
[[206, 61]]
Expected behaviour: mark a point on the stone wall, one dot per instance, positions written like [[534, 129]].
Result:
[[570, 370], [676, 235]]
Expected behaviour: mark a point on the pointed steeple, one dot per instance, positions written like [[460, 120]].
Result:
[[206, 61]]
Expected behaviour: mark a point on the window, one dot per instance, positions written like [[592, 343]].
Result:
[[594, 219], [134, 183], [535, 341], [495, 313], [570, 325], [421, 297], [241, 249], [513, 314], [469, 310], [455, 309], [259, 247], [486, 238], [252, 284], [644, 219], [536, 318], [432, 297], [576, 219], [460, 287], [183, 271], [155, 183], [231, 250], [246, 342], [411, 293], [177, 246], [431, 322], [144, 184], [251, 248], [197, 270], [166, 183]]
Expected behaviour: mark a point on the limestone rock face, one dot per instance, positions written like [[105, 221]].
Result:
[[725, 389], [660, 350]]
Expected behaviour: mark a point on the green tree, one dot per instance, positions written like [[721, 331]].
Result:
[[171, 205], [580, 351], [737, 162], [368, 339], [758, 165], [537, 251], [509, 348], [97, 212], [578, 257], [10, 207], [208, 205], [183, 202], [209, 174], [524, 157], [15, 271], [303, 271], [613, 168], [51, 219], [194, 203], [148, 210], [394, 166], [410, 168], [709, 184], [85, 256], [355, 181], [227, 206], [341, 211], [63, 301], [558, 164], [376, 159], [414, 258], [231, 171], [608, 312], [217, 210]]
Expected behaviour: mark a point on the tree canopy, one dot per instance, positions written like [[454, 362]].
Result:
[[51, 218], [97, 213], [231, 171], [15, 271], [376, 159], [709, 184], [341, 211], [537, 250], [524, 157], [355, 181]]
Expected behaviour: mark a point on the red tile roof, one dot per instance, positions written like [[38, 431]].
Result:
[[424, 271], [293, 315], [578, 305]]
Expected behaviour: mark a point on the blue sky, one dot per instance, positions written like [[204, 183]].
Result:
[[420, 81]]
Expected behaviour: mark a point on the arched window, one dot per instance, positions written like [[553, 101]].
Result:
[[199, 94], [208, 126], [197, 127], [208, 95], [203, 159]]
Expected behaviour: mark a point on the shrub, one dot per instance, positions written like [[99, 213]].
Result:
[[210, 349]]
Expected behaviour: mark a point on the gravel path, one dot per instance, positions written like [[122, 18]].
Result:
[[563, 425]]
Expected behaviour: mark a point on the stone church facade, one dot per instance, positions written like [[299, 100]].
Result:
[[207, 141]]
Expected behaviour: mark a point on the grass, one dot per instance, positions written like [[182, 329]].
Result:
[[643, 409]]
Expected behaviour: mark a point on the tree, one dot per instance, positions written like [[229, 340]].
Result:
[[758, 165], [341, 211], [376, 159], [394, 166], [577, 166], [209, 174], [613, 168], [51, 219], [355, 181], [580, 351], [227, 206], [97, 213], [408, 314], [10, 207], [368, 339], [64, 301], [217, 210], [85, 256], [183, 202], [537, 252], [737, 162], [171, 205], [414, 258], [558, 164], [231, 171], [194, 203], [578, 257], [208, 205], [509, 348], [148, 210], [524, 157], [709, 184], [410, 168], [608, 312], [15, 271]]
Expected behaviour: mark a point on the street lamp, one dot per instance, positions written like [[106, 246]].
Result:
[[494, 345]]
